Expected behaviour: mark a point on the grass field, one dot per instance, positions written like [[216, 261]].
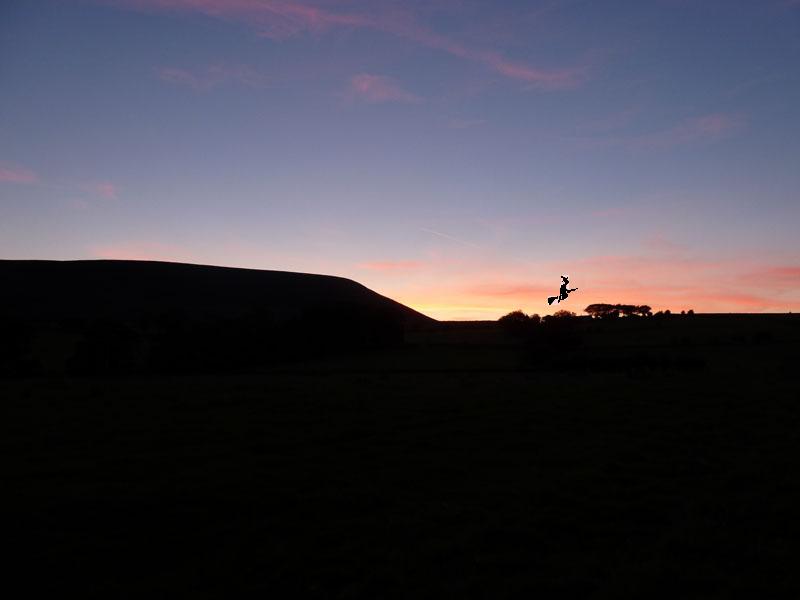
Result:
[[646, 459]]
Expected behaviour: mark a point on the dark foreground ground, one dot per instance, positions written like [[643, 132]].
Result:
[[644, 459]]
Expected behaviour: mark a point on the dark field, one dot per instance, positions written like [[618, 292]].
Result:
[[640, 457]]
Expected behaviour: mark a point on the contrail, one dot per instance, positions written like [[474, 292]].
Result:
[[450, 237]]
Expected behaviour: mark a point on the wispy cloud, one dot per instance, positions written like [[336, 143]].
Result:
[[661, 244], [509, 289], [450, 238], [278, 20], [548, 79], [786, 273], [730, 301], [212, 76], [378, 88], [11, 173], [705, 128], [775, 277], [646, 268], [391, 265], [103, 189]]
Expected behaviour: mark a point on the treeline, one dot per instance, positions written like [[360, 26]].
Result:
[[615, 310], [605, 311], [517, 322]]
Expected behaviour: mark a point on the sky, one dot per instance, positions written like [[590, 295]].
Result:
[[458, 156]]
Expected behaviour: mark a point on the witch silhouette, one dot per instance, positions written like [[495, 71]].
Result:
[[563, 292]]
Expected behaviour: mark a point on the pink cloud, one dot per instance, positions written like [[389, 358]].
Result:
[[378, 88], [391, 265], [276, 19], [548, 79], [289, 19], [656, 272], [707, 127], [779, 277], [212, 76], [279, 20], [786, 273], [11, 173], [661, 244], [730, 301], [543, 78], [104, 189], [516, 290]]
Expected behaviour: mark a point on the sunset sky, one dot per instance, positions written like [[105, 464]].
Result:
[[455, 155]]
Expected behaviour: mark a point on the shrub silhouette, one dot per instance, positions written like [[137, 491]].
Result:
[[518, 323], [560, 333], [516, 316]]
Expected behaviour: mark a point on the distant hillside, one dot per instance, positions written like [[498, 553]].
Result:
[[123, 289], [122, 316]]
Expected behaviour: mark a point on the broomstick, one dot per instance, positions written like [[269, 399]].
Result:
[[552, 299]]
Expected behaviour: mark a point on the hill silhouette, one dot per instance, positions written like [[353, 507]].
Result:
[[125, 288], [136, 316]]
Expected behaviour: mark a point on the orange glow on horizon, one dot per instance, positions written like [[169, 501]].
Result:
[[466, 308]]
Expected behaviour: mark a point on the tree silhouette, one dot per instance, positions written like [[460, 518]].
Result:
[[612, 311], [603, 311]]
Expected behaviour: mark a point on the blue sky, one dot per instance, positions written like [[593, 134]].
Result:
[[456, 155]]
